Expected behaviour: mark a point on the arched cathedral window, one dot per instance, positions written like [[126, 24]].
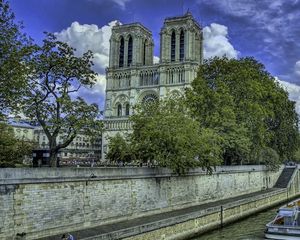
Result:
[[119, 109], [129, 60], [121, 53], [173, 43], [144, 53], [181, 51], [150, 98], [127, 109]]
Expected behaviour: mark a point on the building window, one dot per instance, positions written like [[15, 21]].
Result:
[[144, 53], [150, 98], [181, 52], [121, 53], [119, 110], [127, 109], [129, 51], [173, 43]]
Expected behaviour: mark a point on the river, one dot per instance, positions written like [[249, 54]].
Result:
[[251, 228]]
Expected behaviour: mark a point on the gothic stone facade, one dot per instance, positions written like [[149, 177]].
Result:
[[133, 78]]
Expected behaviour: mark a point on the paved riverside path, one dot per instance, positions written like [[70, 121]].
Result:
[[110, 231]]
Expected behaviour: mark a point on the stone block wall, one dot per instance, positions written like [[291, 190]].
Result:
[[43, 202]]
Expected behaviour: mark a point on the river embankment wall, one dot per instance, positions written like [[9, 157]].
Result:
[[42, 202], [218, 214]]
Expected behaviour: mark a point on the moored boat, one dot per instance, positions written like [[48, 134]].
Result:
[[286, 225]]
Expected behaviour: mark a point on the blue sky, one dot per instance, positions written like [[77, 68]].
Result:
[[268, 30]]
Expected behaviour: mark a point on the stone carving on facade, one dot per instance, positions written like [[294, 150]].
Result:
[[108, 103]]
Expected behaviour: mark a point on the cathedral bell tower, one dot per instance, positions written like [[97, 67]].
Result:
[[130, 45], [131, 48], [181, 40]]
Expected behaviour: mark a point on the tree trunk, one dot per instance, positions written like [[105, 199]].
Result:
[[53, 152], [53, 158]]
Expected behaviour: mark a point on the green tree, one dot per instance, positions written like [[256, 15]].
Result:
[[56, 75], [164, 131], [16, 49], [12, 150], [246, 107], [283, 124], [213, 106], [296, 156], [270, 158], [119, 149]]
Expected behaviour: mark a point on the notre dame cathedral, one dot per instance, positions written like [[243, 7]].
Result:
[[133, 78]]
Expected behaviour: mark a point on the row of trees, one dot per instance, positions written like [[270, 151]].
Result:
[[234, 113], [41, 82]]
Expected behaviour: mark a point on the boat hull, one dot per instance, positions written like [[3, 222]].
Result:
[[281, 237], [286, 225]]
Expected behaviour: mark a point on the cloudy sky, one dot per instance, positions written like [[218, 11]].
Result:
[[269, 30]]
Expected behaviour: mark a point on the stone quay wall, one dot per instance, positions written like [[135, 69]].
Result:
[[220, 215], [43, 202]]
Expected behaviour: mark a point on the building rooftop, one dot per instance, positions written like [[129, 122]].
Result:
[[20, 123], [128, 25], [187, 15]]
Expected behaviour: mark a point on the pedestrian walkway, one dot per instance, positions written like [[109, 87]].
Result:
[[149, 223]]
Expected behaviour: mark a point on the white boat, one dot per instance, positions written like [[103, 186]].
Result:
[[286, 225]]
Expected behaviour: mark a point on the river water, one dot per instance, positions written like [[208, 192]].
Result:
[[251, 228]]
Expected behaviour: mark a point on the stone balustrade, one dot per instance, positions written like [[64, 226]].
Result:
[[117, 124]]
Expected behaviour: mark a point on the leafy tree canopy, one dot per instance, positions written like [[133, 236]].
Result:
[[119, 150], [12, 150], [43, 82], [246, 106], [164, 131], [15, 52], [56, 75], [270, 158]]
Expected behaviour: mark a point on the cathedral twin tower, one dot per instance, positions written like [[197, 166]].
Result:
[[132, 77]]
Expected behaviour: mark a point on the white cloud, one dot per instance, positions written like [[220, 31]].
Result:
[[276, 17], [155, 59], [297, 68], [89, 37], [96, 94], [294, 92], [120, 3], [216, 42]]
